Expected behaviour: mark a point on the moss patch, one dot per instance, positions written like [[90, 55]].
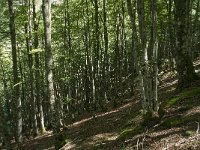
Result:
[[129, 132], [42, 130], [177, 121], [189, 133], [186, 94], [133, 120]]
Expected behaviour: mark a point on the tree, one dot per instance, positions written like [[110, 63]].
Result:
[[16, 80], [54, 113], [37, 68], [185, 68], [28, 31], [5, 127]]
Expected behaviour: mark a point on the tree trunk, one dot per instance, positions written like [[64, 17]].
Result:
[[16, 80], [105, 63], [185, 68], [5, 113], [54, 112], [143, 68], [195, 49], [28, 31], [154, 65], [37, 72], [96, 57], [133, 66]]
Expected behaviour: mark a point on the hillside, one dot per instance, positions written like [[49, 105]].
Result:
[[99, 74], [177, 126]]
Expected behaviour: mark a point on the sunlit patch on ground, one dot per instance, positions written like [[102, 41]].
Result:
[[166, 132], [193, 111], [69, 146], [166, 85], [103, 137], [177, 141]]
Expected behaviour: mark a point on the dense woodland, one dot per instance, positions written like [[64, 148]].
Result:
[[61, 59]]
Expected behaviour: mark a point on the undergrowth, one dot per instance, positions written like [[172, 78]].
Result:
[[133, 128], [183, 95]]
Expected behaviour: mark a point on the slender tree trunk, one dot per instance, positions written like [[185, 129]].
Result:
[[117, 58], [5, 113], [171, 36], [37, 72], [133, 66], [54, 112], [28, 31], [105, 61], [195, 52], [96, 58], [16, 80], [143, 69], [154, 70], [87, 62]]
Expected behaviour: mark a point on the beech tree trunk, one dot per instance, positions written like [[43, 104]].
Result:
[[28, 31], [185, 68], [54, 112], [148, 70], [154, 65], [143, 66], [37, 72], [16, 79]]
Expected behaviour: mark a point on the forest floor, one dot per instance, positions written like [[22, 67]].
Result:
[[124, 127]]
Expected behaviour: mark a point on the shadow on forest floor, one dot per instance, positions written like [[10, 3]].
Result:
[[101, 131], [177, 129]]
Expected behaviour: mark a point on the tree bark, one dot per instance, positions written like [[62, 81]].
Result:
[[54, 112], [37, 72], [154, 65], [185, 68], [28, 31], [16, 79], [143, 57], [105, 62]]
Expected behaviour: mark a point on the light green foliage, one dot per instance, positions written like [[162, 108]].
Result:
[[67, 100]]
